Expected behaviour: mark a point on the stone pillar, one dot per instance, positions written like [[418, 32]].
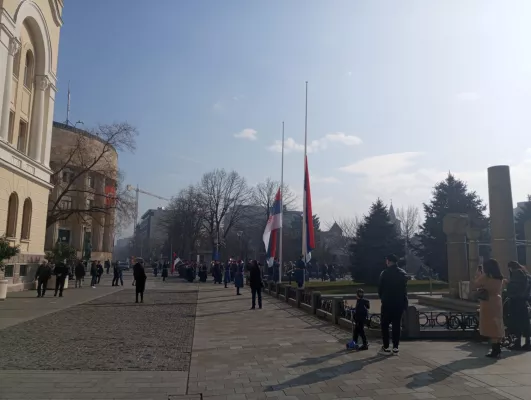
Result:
[[98, 218], [473, 235], [37, 120], [108, 231], [527, 232], [455, 227], [48, 126], [14, 45], [503, 241]]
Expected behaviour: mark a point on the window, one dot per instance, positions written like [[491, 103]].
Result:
[[8, 272], [26, 219], [12, 213], [16, 64], [90, 180], [11, 126], [90, 204], [67, 175], [23, 270], [64, 236], [22, 136], [28, 70], [65, 203]]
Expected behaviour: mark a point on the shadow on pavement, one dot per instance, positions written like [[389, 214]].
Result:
[[317, 360], [324, 374], [221, 313], [476, 359]]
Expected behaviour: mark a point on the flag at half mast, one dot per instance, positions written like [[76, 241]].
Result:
[[274, 223], [308, 237]]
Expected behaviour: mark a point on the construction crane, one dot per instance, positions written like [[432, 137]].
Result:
[[131, 188]]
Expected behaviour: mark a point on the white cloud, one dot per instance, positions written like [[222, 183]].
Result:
[[467, 96], [290, 145], [218, 106], [248, 133], [323, 179], [382, 165]]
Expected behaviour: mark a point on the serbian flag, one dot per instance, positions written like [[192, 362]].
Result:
[[274, 223], [308, 237]]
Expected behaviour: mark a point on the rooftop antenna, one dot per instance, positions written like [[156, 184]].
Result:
[[68, 106]]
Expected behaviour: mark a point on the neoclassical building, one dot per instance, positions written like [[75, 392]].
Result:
[[29, 44], [80, 186]]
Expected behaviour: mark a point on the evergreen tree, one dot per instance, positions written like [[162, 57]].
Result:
[[523, 215], [376, 237], [449, 196]]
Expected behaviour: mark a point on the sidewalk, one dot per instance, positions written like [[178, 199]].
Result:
[[281, 352]]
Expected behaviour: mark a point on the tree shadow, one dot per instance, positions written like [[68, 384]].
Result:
[[474, 360], [326, 373]]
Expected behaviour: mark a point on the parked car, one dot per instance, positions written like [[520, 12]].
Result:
[[123, 265]]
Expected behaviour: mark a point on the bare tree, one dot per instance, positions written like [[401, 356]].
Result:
[[409, 222], [264, 196], [223, 196], [87, 182], [349, 227]]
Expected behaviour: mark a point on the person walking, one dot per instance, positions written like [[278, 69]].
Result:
[[227, 274], [256, 283], [107, 265], [360, 318], [44, 272], [392, 290], [79, 273], [61, 272], [518, 290], [100, 271], [164, 272], [93, 274], [238, 278], [139, 275], [489, 282]]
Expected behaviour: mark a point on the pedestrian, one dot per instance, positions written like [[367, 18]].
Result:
[[164, 273], [392, 291], [93, 274], [256, 282], [360, 319], [107, 265], [100, 271], [61, 272], [115, 274], [44, 272], [518, 290], [238, 278], [139, 275], [227, 274], [156, 269], [489, 282], [79, 273]]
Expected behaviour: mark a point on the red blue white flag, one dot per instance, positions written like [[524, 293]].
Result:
[[274, 223], [308, 237]]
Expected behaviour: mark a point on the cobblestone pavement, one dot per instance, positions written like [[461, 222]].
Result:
[[281, 352]]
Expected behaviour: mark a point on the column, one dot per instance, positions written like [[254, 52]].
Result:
[[14, 45], [455, 227], [98, 218], [49, 126], [108, 231], [503, 240], [37, 120], [473, 253]]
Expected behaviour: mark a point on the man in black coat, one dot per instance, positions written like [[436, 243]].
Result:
[[79, 272], [255, 281], [44, 272], [61, 272], [392, 291]]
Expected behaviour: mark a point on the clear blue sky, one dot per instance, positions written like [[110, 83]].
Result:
[[400, 91]]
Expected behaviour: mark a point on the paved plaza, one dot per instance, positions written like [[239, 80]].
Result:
[[193, 341]]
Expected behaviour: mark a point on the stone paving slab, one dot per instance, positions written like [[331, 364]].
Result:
[[282, 352]]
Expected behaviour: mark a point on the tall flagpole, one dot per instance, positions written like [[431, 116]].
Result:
[[304, 225], [281, 259]]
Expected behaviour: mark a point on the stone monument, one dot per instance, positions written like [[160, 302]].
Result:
[[503, 241], [455, 227]]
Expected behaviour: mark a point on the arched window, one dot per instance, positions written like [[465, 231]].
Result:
[[12, 214], [28, 69], [16, 64], [26, 220]]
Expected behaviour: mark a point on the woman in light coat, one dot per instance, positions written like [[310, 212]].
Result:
[[489, 280]]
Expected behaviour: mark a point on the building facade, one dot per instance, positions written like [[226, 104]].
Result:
[[80, 199], [152, 233], [29, 45]]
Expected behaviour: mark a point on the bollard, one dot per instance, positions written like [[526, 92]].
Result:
[[300, 294], [411, 324], [286, 292], [336, 309], [278, 288], [316, 300]]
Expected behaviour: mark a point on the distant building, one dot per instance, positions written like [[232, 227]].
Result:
[[152, 232], [395, 220], [519, 207]]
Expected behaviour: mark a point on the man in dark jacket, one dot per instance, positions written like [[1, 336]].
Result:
[[392, 291], [360, 319], [79, 273], [44, 272], [61, 272], [255, 281], [107, 266], [93, 274]]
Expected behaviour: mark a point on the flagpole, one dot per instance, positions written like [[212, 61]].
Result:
[[304, 216], [281, 259]]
